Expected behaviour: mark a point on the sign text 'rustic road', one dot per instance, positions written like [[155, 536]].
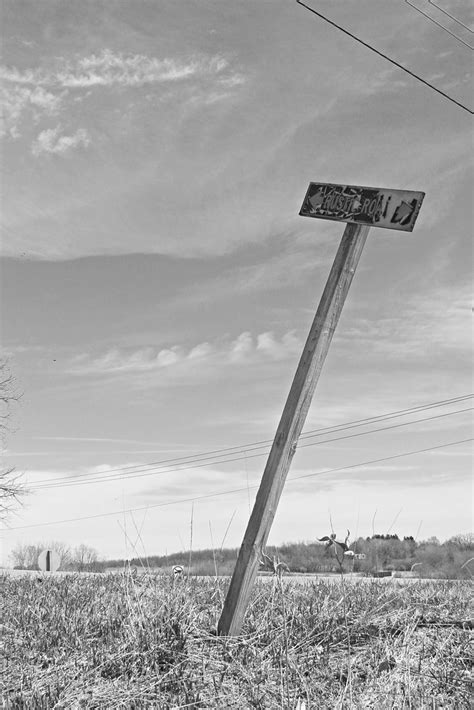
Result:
[[373, 206]]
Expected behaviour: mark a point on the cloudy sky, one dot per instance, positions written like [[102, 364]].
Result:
[[158, 283]]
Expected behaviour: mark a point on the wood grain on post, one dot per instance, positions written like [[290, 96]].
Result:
[[290, 426]]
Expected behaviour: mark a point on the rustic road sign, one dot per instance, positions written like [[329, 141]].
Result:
[[49, 561], [400, 209], [373, 206]]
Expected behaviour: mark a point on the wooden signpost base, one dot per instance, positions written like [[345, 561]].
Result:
[[290, 426]]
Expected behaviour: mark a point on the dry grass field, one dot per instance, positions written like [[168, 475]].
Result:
[[112, 641]]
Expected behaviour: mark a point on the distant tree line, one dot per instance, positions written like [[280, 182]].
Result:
[[453, 559], [429, 558]]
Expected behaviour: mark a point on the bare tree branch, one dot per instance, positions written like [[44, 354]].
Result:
[[11, 487]]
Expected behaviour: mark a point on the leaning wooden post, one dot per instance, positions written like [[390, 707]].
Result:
[[361, 208], [291, 424]]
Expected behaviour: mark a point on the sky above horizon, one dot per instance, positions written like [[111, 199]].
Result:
[[158, 283]]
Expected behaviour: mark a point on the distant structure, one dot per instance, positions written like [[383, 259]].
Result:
[[49, 561], [177, 571]]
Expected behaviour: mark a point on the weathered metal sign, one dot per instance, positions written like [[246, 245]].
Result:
[[374, 206]]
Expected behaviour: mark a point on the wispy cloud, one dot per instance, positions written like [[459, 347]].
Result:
[[116, 69], [245, 349], [16, 100], [417, 329], [51, 141], [46, 91]]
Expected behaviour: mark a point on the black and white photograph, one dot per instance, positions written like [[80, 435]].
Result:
[[236, 354]]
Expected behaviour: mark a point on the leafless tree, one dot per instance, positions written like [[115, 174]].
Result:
[[84, 558], [25, 556], [11, 488]]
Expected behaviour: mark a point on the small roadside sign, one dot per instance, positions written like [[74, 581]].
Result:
[[49, 561], [373, 206]]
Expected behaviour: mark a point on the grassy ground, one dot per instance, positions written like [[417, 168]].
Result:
[[116, 642]]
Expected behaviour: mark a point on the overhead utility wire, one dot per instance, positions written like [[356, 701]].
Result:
[[206, 455], [384, 56], [218, 453], [306, 434], [201, 461], [431, 19], [451, 16], [229, 450], [145, 474], [240, 490], [68, 482]]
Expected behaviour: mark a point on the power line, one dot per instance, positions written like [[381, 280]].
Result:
[[384, 56], [227, 451], [204, 460], [393, 426], [451, 16], [306, 434], [431, 19], [387, 458], [211, 456], [244, 489], [155, 472], [312, 432]]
